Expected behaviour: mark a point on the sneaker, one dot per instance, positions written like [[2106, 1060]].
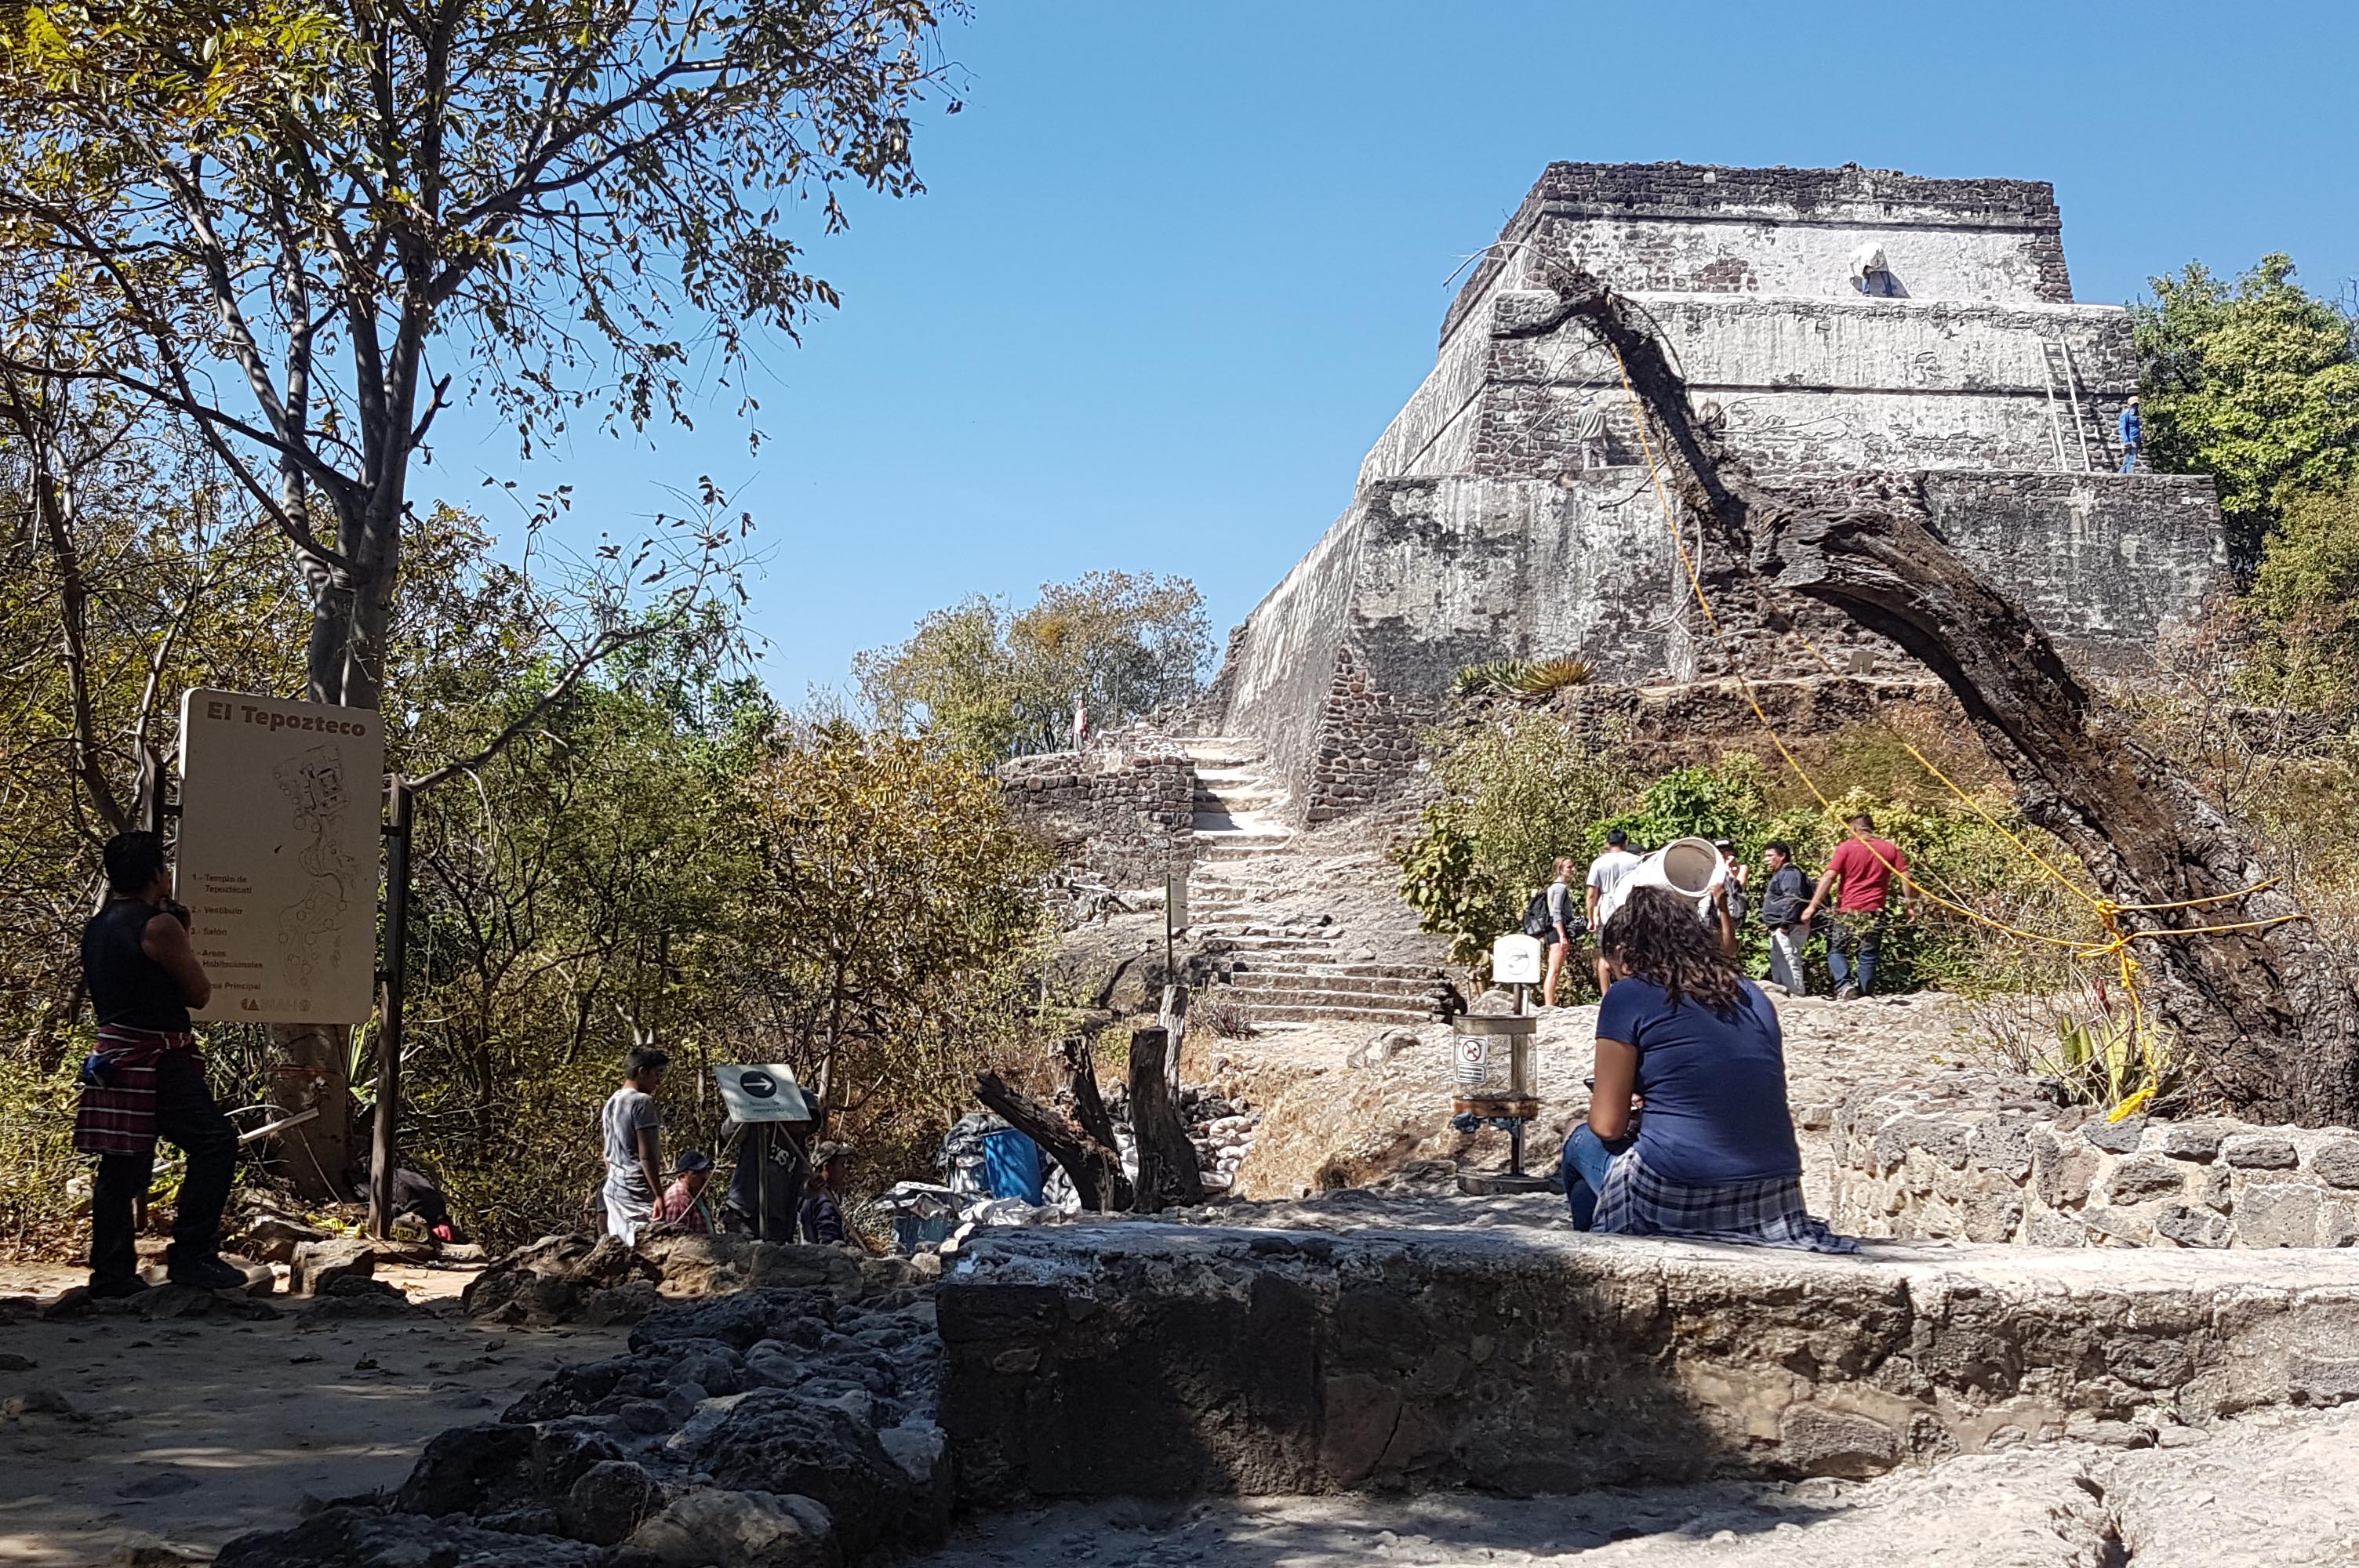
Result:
[[115, 1289], [1846, 992], [207, 1274]]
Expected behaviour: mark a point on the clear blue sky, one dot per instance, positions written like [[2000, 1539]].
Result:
[[1178, 263]]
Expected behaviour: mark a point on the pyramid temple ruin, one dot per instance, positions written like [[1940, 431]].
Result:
[[1826, 320]]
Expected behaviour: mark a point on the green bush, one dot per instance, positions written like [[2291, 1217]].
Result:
[[1519, 793]]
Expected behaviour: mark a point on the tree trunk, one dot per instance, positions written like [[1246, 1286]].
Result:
[[2266, 1015], [1094, 1169], [1167, 1161]]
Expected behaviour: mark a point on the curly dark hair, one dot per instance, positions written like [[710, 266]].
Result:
[[1656, 935]]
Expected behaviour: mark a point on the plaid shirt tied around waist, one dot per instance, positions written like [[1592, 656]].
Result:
[[118, 1116], [1765, 1213]]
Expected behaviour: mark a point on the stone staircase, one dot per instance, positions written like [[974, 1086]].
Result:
[[1281, 965]]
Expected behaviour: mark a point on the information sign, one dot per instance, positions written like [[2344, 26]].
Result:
[[278, 856]]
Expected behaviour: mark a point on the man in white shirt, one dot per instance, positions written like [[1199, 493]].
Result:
[[1605, 874], [632, 1133]]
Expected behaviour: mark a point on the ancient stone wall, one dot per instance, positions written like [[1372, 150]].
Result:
[[1154, 1358], [1957, 1166], [1129, 817]]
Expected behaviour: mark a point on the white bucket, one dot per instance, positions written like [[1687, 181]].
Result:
[[1691, 867]]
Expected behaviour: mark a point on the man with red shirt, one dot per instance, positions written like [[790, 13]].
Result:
[[1863, 866]]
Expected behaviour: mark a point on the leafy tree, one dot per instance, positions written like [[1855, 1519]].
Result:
[[1516, 794], [2305, 603], [2255, 383], [295, 226], [996, 682]]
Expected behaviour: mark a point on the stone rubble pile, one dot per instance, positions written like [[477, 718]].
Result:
[[769, 1427], [1222, 1128]]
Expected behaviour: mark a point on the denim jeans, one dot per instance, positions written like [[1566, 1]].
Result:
[[1785, 959], [2129, 459], [1853, 944], [1587, 1158], [186, 1114]]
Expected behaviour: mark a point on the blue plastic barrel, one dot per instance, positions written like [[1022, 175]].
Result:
[[1011, 1166]]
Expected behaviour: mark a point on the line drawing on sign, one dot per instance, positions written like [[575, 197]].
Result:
[[312, 929]]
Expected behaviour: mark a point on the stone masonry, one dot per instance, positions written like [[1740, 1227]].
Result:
[[1154, 1358], [1982, 1166], [1128, 816], [1506, 512]]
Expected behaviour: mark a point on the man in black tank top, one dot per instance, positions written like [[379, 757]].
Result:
[[146, 1079]]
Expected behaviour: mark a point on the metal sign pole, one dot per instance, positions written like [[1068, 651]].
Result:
[[394, 976]]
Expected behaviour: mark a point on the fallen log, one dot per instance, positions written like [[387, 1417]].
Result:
[[2265, 1014]]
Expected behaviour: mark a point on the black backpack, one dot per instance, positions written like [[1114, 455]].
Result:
[[1536, 920]]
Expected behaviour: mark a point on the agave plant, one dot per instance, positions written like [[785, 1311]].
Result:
[[1497, 676], [1548, 676], [2121, 1064]]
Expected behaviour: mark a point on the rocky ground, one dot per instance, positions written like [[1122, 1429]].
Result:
[[122, 1434], [2269, 1491]]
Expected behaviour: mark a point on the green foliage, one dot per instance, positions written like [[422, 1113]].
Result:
[[2305, 604], [994, 682], [1516, 794], [1530, 680], [2255, 383]]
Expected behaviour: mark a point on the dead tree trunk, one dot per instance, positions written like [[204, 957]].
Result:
[[2267, 1015], [1167, 1161], [1094, 1169]]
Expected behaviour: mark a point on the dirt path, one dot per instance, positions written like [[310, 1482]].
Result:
[[186, 1434]]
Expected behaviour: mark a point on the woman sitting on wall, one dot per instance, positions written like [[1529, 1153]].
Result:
[[1686, 1038]]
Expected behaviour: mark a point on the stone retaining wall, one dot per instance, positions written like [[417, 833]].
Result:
[[1158, 1359], [1971, 1165], [1127, 815]]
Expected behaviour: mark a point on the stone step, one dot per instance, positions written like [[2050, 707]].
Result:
[[1337, 989], [1297, 966], [1325, 996], [1266, 1012]]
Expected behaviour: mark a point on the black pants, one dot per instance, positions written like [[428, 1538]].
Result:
[[186, 1114]]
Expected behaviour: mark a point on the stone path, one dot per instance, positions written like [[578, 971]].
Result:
[[1285, 962]]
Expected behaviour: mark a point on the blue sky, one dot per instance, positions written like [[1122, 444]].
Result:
[[1178, 263]]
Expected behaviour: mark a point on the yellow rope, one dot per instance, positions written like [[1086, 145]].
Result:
[[2115, 944]]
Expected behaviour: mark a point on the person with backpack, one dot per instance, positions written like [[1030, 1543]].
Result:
[[1551, 917]]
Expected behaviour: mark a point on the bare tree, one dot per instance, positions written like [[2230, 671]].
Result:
[[2268, 1014]]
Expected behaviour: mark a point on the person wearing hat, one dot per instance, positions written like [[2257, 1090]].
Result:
[[1731, 882], [822, 1216], [683, 1201]]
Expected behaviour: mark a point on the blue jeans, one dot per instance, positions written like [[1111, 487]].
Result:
[[1587, 1158], [1853, 945], [2129, 459]]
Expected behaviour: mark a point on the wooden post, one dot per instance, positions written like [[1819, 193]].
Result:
[[1167, 1161], [383, 1143]]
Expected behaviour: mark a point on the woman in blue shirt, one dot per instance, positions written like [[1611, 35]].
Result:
[[1685, 1036]]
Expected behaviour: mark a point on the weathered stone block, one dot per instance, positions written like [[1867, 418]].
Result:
[[2116, 1136], [2278, 1214], [2192, 1226], [2196, 1141], [2336, 1162], [2002, 1143], [1821, 1442], [2143, 1176], [2260, 1152]]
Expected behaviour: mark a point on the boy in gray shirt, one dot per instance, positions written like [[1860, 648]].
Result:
[[633, 1133]]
